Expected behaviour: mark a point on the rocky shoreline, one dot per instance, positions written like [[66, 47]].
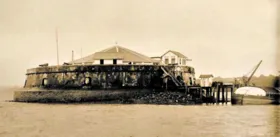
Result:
[[105, 97], [168, 98]]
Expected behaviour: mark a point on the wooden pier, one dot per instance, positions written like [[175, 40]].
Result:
[[217, 93]]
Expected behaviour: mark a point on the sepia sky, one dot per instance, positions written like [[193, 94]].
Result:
[[224, 37]]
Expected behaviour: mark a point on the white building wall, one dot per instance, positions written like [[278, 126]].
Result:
[[125, 63], [157, 59], [178, 60], [187, 77], [108, 61], [206, 82], [169, 56], [119, 62], [96, 62], [143, 63]]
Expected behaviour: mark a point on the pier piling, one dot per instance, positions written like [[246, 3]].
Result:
[[223, 94]]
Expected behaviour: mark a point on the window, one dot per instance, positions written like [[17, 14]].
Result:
[[166, 61], [101, 61], [179, 61], [114, 61], [173, 60], [183, 62]]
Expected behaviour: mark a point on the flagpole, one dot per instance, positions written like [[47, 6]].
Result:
[[57, 52]]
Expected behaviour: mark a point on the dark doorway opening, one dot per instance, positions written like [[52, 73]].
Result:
[[101, 61], [114, 61]]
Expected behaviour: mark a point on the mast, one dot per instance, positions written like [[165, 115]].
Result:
[[278, 35], [247, 82], [57, 52]]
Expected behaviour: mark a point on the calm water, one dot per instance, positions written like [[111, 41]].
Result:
[[21, 119]]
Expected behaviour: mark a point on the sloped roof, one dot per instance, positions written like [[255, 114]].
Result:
[[108, 55], [176, 53], [206, 76], [116, 52]]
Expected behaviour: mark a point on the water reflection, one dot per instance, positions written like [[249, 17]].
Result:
[[275, 121]]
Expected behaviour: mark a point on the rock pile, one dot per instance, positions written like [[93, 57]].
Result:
[[160, 98]]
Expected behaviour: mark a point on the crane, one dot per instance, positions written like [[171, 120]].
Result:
[[247, 80]]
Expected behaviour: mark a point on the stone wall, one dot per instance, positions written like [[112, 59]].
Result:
[[97, 76]]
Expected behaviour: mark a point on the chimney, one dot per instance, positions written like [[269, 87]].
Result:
[[72, 55]]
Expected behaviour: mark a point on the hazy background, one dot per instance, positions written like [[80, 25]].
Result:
[[224, 37]]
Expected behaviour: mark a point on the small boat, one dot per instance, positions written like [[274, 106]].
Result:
[[251, 95], [255, 96]]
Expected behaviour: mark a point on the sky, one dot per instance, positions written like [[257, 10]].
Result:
[[226, 38]]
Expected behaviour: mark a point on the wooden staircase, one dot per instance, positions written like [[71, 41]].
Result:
[[167, 72]]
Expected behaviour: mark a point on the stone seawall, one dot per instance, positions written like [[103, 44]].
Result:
[[103, 83], [98, 77]]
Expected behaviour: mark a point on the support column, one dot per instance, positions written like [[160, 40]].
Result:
[[231, 92], [223, 94], [218, 93], [226, 94], [210, 91]]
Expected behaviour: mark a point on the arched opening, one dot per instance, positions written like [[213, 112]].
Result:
[[45, 82]]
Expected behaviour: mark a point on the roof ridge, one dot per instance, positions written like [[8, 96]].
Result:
[[107, 49], [178, 53]]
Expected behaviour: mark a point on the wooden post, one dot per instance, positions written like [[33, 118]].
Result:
[[218, 94], [211, 95], [199, 91], [210, 91], [223, 94], [213, 90], [231, 92], [226, 94]]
